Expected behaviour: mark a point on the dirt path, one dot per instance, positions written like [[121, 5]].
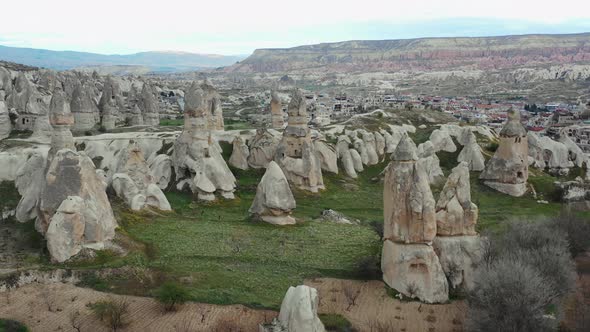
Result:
[[29, 305], [375, 310]]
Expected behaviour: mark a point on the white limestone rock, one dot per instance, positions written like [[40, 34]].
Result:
[[415, 271], [459, 256], [326, 153], [161, 169], [455, 213], [442, 141], [379, 143], [262, 149], [5, 125], [299, 310], [240, 154], [343, 150], [429, 162], [371, 148], [471, 153], [274, 201]]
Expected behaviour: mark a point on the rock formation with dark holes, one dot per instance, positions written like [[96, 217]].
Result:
[[262, 149], [197, 160], [457, 244], [295, 153], [83, 108], [73, 209], [109, 103], [274, 201], [508, 170], [240, 154], [408, 261], [299, 312], [409, 211], [545, 153], [471, 152], [276, 111], [133, 181], [150, 108]]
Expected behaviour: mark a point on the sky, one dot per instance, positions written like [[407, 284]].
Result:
[[239, 27]]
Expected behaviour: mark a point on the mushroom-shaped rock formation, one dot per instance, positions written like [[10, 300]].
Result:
[[343, 150], [133, 181], [455, 213], [197, 159], [295, 153], [442, 141], [262, 149], [299, 312], [136, 118], [409, 212], [276, 111], [430, 163], [83, 108], [508, 169], [471, 153], [274, 200], [240, 154]]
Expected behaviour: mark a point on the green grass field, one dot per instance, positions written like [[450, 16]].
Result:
[[224, 257]]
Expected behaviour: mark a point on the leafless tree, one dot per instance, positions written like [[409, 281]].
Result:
[[48, 297], [351, 293], [75, 320]]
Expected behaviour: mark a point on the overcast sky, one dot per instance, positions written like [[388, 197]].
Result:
[[239, 27]]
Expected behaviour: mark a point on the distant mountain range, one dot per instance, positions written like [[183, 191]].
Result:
[[157, 61], [422, 54]]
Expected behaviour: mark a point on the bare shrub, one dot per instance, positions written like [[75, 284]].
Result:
[[351, 294], [113, 312], [576, 230], [510, 295]]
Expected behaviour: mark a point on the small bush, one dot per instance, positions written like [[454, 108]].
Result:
[[369, 268], [510, 295], [493, 146], [171, 294], [112, 312], [377, 226], [7, 325], [336, 323]]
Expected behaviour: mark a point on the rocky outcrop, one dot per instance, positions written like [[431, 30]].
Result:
[[415, 271], [471, 153], [357, 161], [276, 111], [442, 141], [361, 148], [240, 154], [262, 149], [197, 160], [430, 163], [547, 153], [274, 201], [132, 180], [110, 104], [326, 153], [29, 178], [83, 108], [161, 169], [5, 83], [459, 256], [576, 155], [371, 148], [408, 262], [380, 144], [5, 125], [295, 153], [343, 150], [455, 213], [391, 141], [149, 107], [299, 312], [508, 170], [71, 174], [409, 212]]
